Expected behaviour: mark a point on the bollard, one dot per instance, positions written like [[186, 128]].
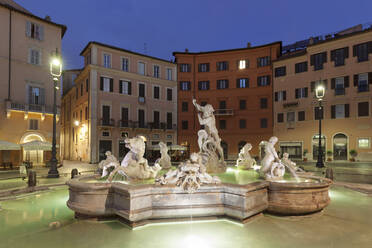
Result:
[[329, 173], [31, 178], [74, 173]]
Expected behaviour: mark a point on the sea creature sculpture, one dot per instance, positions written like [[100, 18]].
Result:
[[271, 166], [164, 161], [245, 161]]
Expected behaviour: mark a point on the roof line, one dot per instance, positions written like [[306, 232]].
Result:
[[230, 50], [120, 49], [63, 27]]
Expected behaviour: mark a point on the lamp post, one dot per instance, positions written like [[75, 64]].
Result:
[[319, 93], [55, 71]]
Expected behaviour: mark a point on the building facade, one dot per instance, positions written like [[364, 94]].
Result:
[[118, 94], [342, 63], [238, 85], [26, 44]]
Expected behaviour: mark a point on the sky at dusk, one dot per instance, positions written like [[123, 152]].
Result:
[[199, 25]]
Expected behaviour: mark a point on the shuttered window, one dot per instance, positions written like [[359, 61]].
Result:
[[34, 31]]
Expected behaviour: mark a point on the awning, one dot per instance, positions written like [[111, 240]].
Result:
[[8, 146], [177, 147], [37, 145]]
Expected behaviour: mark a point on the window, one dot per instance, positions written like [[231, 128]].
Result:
[[339, 84], [280, 71], [222, 104], [141, 68], [339, 55], [156, 119], [169, 74], [169, 120], [185, 106], [280, 96], [301, 93], [36, 95], [169, 94], [185, 85], [141, 118], [222, 124], [81, 89], [301, 67], [204, 67], [203, 85], [125, 64], [242, 104], [363, 109], [290, 116], [125, 87], [105, 133], [317, 60], [34, 56], [34, 124], [280, 117], [263, 61], [301, 115], [185, 68], [185, 125], [124, 117], [87, 85], [263, 81], [34, 31], [362, 50], [106, 115], [364, 143], [263, 123], [124, 134], [222, 66], [318, 113], [86, 113], [242, 83], [156, 92], [361, 81], [263, 103], [156, 71], [243, 64], [107, 84], [339, 111], [107, 60], [169, 136], [242, 123], [222, 84]]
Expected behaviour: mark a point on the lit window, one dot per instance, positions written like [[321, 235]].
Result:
[[242, 64], [363, 143]]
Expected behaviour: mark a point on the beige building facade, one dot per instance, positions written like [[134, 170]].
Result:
[[26, 95], [343, 64], [118, 94]]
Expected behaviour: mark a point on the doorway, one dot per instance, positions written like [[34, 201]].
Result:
[[340, 147]]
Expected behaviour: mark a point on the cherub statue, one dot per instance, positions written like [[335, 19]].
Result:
[[271, 166], [134, 165], [245, 161], [164, 161], [110, 161], [206, 118]]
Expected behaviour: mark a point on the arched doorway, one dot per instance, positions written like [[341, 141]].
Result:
[[225, 149], [315, 145], [34, 156], [340, 147], [241, 144]]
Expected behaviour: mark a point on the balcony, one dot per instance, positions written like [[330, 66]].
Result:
[[290, 104], [107, 122], [28, 107], [223, 112], [123, 123]]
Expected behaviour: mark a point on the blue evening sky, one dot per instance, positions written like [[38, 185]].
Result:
[[199, 25]]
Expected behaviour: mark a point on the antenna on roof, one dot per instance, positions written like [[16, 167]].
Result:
[[145, 48]]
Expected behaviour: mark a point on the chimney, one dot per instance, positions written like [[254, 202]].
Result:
[[186, 50], [48, 18], [248, 45], [311, 40]]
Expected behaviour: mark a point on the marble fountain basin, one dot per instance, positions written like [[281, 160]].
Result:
[[139, 204]]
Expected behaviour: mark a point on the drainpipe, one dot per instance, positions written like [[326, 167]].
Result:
[[10, 52]]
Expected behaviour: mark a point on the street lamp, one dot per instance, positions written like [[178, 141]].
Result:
[[55, 71], [319, 93]]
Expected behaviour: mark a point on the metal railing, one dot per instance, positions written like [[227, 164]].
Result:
[[28, 107], [107, 122], [224, 112]]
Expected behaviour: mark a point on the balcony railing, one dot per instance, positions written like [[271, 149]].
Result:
[[224, 112], [123, 123], [28, 107], [107, 122]]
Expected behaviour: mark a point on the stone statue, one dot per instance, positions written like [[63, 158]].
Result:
[[245, 161], [134, 165], [190, 175], [289, 164], [110, 161], [164, 161], [209, 141], [271, 166]]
